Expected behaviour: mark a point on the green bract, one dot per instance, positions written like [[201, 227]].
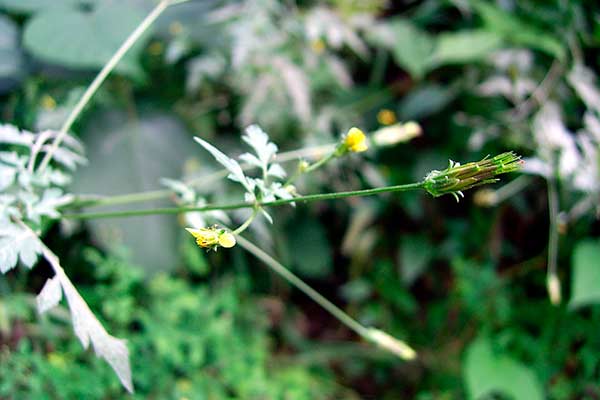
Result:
[[456, 178]]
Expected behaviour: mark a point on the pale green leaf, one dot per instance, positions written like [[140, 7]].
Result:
[[585, 285], [486, 372], [81, 39], [464, 46]]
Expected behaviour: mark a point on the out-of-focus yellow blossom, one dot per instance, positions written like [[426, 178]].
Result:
[[48, 103], [386, 117], [213, 237], [175, 28], [397, 133], [318, 46], [156, 48], [355, 140]]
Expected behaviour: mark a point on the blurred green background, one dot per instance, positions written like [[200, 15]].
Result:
[[464, 283]]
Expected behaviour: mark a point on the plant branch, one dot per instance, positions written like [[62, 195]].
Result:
[[234, 206], [103, 74]]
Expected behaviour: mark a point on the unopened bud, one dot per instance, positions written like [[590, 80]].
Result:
[[391, 344], [397, 133]]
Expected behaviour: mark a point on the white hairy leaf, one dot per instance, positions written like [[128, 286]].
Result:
[[16, 244], [50, 295]]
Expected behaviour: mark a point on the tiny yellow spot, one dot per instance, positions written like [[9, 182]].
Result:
[[175, 28], [48, 103], [355, 140], [318, 46], [386, 117], [155, 48], [213, 237]]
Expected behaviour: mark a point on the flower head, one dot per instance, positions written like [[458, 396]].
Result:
[[213, 237], [355, 140], [386, 117], [456, 178]]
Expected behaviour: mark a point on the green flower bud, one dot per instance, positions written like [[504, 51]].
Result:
[[456, 178]]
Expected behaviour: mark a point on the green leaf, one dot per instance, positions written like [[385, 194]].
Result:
[[309, 249], [411, 47], [425, 100], [127, 156], [31, 6], [11, 59], [486, 372], [415, 254], [464, 46], [585, 286], [79, 39], [516, 30]]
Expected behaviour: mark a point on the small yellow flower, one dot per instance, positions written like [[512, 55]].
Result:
[[355, 140], [213, 237], [386, 117]]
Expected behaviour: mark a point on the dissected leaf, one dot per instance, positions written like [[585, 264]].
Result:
[[486, 373], [585, 286], [17, 244], [77, 38]]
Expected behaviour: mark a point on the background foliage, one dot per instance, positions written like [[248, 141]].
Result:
[[465, 283]]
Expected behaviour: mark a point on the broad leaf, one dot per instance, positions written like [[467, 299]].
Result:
[[585, 285], [415, 254], [486, 372], [516, 30], [411, 47], [11, 59], [30, 6], [464, 46], [80, 39]]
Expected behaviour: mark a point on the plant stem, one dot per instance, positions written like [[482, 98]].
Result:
[[234, 206], [247, 223], [294, 280], [552, 280], [103, 74], [98, 200]]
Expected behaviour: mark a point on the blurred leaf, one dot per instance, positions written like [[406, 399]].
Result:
[[486, 373], [415, 254], [30, 6], [410, 46], [464, 46], [130, 156], [516, 30], [309, 249], [11, 59], [84, 39], [424, 101], [585, 287]]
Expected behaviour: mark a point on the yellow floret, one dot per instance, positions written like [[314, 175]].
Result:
[[355, 140]]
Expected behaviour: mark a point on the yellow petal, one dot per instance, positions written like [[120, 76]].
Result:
[[227, 240]]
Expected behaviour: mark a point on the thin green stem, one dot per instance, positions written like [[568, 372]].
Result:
[[234, 206], [103, 74], [206, 180], [294, 280], [552, 280], [247, 223]]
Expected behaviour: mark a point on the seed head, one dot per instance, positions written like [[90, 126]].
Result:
[[456, 178]]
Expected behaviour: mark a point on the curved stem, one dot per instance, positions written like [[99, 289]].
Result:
[[234, 206], [289, 276], [103, 74], [246, 224]]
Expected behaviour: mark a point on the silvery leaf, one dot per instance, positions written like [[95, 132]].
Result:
[[7, 176], [50, 295], [16, 243], [230, 164], [277, 171], [259, 141]]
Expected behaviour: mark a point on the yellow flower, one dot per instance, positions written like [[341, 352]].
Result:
[[355, 140], [386, 117], [211, 238]]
